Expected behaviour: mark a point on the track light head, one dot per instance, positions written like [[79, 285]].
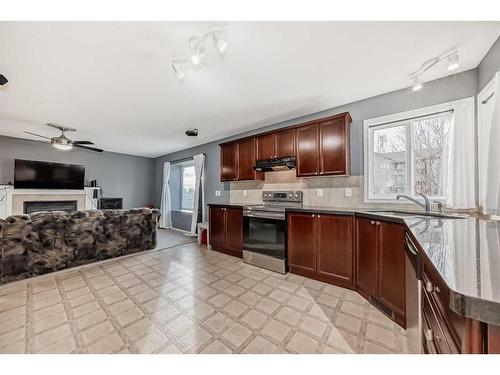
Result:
[[3, 80], [220, 43]]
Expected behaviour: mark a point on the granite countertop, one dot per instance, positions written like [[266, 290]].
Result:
[[465, 252]]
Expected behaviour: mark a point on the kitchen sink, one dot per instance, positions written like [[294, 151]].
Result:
[[421, 214]]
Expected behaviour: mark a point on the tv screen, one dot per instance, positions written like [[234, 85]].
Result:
[[30, 174]]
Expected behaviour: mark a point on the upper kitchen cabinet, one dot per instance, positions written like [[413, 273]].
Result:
[[276, 145], [323, 147], [320, 146], [228, 162], [238, 161], [307, 151]]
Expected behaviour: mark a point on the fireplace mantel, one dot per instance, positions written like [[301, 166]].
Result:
[[11, 198]]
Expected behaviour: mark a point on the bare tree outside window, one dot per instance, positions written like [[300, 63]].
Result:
[[430, 144], [427, 150], [389, 161]]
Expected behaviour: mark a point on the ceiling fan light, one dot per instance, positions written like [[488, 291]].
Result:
[[417, 85], [453, 62], [62, 147], [220, 43]]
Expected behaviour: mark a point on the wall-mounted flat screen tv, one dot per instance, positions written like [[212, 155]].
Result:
[[31, 174]]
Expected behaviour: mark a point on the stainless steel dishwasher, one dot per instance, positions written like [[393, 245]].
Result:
[[413, 297]]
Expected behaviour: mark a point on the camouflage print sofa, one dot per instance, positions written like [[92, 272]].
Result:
[[45, 242]]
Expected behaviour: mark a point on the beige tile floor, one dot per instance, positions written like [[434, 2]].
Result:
[[187, 299]]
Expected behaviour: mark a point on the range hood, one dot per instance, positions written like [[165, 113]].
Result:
[[276, 164]]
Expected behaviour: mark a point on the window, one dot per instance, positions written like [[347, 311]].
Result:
[[188, 184], [407, 154]]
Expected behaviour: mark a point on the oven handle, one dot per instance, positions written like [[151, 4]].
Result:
[[276, 216]]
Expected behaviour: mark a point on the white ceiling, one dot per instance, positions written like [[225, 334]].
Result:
[[113, 81]]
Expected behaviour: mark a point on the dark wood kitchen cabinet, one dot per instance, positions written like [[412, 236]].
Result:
[[380, 266], [334, 140], [229, 162], [237, 161], [323, 147], [307, 151], [366, 265], [320, 246], [226, 230], [276, 145], [301, 240]]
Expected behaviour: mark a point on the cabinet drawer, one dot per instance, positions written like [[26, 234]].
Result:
[[437, 333], [439, 294]]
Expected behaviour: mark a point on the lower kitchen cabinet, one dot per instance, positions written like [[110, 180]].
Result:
[[226, 230], [493, 339], [320, 246], [380, 270]]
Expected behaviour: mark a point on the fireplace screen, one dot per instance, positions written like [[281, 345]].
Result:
[[34, 206]]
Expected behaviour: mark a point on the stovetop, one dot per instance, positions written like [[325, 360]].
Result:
[[271, 207]]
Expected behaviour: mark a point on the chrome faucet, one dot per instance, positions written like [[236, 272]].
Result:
[[426, 205]]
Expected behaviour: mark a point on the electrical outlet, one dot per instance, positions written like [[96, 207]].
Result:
[[245, 193], [319, 192], [348, 192], [217, 193]]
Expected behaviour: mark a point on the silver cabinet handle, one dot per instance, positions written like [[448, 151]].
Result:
[[429, 335], [372, 222], [429, 287], [378, 222], [319, 216], [313, 215]]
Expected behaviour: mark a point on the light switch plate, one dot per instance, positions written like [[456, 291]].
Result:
[[348, 192], [217, 193], [319, 192], [245, 193]]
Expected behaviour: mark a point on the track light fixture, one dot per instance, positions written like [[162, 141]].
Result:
[[198, 46], [452, 59]]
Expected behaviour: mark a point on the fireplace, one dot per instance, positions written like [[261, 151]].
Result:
[[34, 206]]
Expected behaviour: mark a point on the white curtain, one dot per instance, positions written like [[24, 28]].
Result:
[[166, 208], [459, 169], [492, 199], [199, 166]]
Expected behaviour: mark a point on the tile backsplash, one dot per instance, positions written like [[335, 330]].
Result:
[[333, 190]]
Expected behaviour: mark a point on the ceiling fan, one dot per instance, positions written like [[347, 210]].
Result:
[[65, 144]]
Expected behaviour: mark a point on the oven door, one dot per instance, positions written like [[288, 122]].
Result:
[[264, 235]]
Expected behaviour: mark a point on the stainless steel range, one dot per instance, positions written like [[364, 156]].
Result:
[[264, 230]]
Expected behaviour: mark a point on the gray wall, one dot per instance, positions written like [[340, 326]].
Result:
[[489, 65], [439, 91], [119, 175]]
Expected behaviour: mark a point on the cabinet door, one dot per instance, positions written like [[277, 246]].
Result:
[[228, 162], [284, 143], [307, 150], [234, 231], [246, 160], [265, 147], [301, 243], [391, 266], [366, 253], [335, 250], [217, 227], [333, 155]]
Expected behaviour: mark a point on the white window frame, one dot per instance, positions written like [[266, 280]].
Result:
[[389, 121], [184, 166]]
